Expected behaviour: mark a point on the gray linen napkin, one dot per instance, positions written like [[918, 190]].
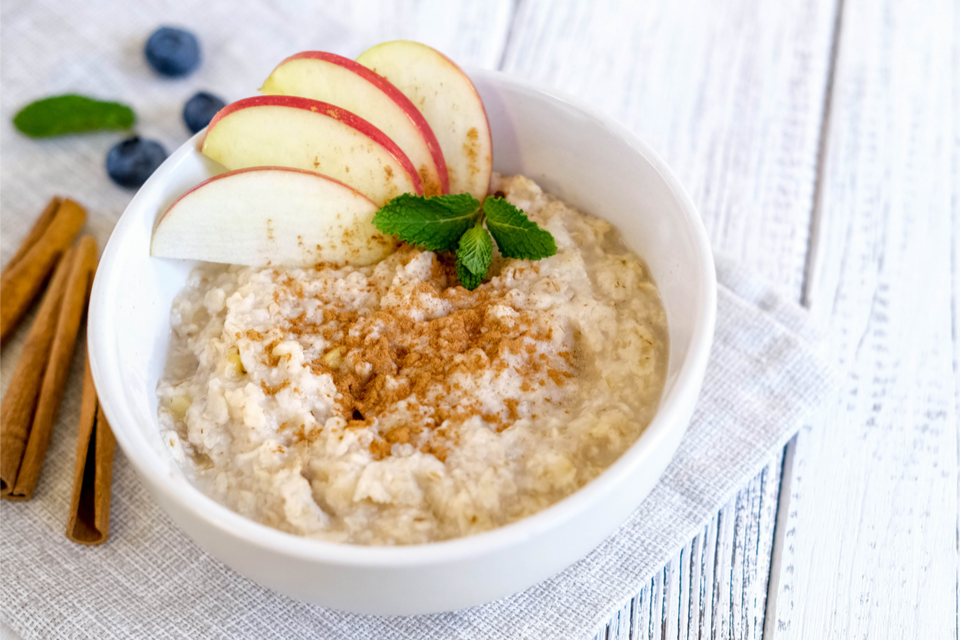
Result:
[[764, 379]]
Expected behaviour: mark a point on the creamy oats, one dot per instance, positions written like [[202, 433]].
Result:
[[387, 405]]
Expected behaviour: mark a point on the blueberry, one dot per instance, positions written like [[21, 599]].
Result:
[[131, 162], [173, 52], [200, 109]]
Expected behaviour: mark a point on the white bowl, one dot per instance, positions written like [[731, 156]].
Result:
[[586, 159]]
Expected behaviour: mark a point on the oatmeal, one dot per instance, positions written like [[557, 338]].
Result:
[[388, 405]]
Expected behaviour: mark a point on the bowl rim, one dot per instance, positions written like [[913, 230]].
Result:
[[669, 416]]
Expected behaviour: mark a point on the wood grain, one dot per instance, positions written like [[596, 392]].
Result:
[[732, 95], [956, 262], [472, 33], [715, 586], [875, 523], [781, 585]]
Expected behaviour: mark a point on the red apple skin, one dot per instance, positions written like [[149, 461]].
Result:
[[394, 94], [342, 115]]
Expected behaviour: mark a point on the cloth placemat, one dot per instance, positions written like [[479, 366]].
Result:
[[764, 380]]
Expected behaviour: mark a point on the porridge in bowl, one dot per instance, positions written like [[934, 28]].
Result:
[[377, 351], [387, 404]]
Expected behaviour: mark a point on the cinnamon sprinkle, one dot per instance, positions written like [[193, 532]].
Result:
[[404, 376], [274, 390]]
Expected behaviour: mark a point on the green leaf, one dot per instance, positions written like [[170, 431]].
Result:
[[435, 223], [71, 113], [475, 251], [467, 278], [445, 223], [517, 236]]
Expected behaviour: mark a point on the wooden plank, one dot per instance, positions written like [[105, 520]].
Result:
[[782, 588], [641, 630], [770, 510], [471, 33], [656, 606], [753, 550], [707, 579], [875, 537], [619, 626], [686, 589], [671, 597], [696, 587], [956, 265], [730, 94], [722, 587], [745, 529]]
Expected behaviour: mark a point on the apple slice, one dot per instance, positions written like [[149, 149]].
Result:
[[271, 215], [341, 81], [289, 131], [449, 102]]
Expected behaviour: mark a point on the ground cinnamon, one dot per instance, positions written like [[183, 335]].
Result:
[[20, 401], [23, 279], [89, 519], [84, 262], [386, 361]]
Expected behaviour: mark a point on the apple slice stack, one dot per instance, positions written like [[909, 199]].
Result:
[[330, 141], [340, 81]]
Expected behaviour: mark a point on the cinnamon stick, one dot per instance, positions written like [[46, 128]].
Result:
[[20, 401], [82, 265], [36, 232], [23, 279], [89, 520]]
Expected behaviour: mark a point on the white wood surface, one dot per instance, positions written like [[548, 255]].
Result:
[[956, 267], [875, 519], [732, 95], [472, 33]]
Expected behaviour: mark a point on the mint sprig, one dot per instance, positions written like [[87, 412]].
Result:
[[71, 113], [455, 222], [435, 223]]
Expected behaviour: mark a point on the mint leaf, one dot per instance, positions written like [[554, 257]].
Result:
[[435, 223], [455, 222], [475, 251], [467, 278], [517, 236], [71, 113]]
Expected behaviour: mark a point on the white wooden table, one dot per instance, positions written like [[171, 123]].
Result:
[[821, 142]]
